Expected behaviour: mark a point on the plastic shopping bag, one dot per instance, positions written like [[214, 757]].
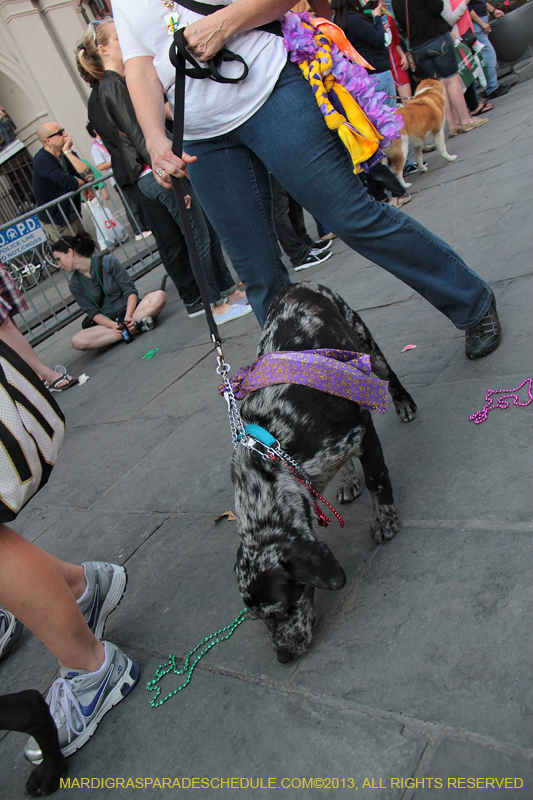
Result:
[[109, 231]]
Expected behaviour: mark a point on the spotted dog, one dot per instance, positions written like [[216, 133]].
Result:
[[280, 560]]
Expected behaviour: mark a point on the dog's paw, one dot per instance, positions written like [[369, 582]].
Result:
[[386, 523], [405, 408], [349, 490], [406, 185], [450, 157], [45, 778], [422, 167]]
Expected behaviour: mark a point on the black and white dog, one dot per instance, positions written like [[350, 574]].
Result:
[[280, 560]]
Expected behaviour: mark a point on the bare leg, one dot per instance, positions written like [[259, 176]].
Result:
[[95, 338], [456, 98], [150, 306], [11, 335], [73, 574], [34, 590], [236, 295], [405, 93]]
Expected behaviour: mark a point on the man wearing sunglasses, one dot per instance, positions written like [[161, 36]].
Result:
[[57, 170]]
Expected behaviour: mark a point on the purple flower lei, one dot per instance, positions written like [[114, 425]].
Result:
[[302, 46]]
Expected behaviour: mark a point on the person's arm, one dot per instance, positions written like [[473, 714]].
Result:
[[130, 308], [209, 34], [204, 39], [147, 96], [453, 15], [112, 266], [485, 25], [105, 322], [373, 33], [85, 173], [104, 166], [496, 11]]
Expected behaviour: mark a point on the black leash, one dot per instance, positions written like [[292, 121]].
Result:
[[179, 56]]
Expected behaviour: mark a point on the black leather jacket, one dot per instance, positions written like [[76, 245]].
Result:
[[125, 130]]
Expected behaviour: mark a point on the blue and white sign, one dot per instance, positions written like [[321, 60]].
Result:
[[21, 237]]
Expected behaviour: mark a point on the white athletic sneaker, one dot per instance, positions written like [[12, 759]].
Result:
[[79, 699], [10, 630], [106, 584], [234, 312]]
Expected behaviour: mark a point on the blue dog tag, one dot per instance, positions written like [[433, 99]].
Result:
[[259, 433]]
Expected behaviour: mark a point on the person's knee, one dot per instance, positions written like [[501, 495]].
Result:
[[159, 299], [78, 342]]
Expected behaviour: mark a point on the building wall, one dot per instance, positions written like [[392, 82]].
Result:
[[38, 76]]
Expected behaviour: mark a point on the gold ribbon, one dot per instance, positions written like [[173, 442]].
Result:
[[362, 142]]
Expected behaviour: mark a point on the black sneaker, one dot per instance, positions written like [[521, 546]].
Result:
[[485, 337], [195, 309], [314, 257], [499, 92], [322, 244]]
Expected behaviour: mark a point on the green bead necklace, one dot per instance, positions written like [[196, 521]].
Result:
[[171, 666]]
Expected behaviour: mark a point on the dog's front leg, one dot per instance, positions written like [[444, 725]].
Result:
[[386, 521], [349, 487]]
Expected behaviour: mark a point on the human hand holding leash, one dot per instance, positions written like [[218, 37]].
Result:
[[165, 163]]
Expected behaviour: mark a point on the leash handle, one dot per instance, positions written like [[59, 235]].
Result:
[[178, 59]]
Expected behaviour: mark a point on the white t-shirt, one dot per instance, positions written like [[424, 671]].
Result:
[[211, 109], [99, 153]]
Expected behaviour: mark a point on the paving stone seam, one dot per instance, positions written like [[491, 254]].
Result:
[[471, 524], [426, 757], [432, 731]]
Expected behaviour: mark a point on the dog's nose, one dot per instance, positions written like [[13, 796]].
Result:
[[284, 656]]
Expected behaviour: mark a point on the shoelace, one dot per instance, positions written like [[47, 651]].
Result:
[[485, 327], [62, 703]]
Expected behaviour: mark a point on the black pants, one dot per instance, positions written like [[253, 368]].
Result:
[[378, 177], [290, 225], [170, 243]]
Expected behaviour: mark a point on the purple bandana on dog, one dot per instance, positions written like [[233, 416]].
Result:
[[339, 372]]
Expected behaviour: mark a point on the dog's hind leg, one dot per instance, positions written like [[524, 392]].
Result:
[[441, 145], [349, 486], [386, 522], [419, 158]]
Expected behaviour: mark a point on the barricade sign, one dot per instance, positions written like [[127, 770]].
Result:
[[21, 237]]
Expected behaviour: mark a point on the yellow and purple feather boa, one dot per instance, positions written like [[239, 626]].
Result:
[[345, 93]]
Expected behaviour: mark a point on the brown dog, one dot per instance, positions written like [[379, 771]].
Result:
[[422, 116]]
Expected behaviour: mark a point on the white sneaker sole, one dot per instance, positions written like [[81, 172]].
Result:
[[113, 598]]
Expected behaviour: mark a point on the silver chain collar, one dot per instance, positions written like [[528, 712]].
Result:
[[238, 432]]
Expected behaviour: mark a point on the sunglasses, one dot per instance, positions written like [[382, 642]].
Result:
[[93, 25], [60, 132]]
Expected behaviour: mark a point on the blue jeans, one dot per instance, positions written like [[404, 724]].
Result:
[[437, 58], [289, 137], [386, 84], [216, 273], [489, 56]]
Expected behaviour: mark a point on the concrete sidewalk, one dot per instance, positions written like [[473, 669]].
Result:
[[421, 666]]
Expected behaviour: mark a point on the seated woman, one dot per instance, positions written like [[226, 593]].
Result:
[[106, 293]]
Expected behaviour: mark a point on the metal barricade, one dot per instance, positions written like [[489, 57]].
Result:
[[107, 218]]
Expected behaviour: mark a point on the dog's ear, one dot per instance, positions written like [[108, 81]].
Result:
[[274, 590], [313, 563]]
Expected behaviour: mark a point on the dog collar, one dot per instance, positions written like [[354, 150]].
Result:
[[338, 372]]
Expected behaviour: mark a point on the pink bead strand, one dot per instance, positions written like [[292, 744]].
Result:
[[503, 401]]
